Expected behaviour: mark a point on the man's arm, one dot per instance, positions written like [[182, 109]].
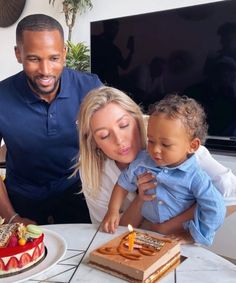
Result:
[[6, 209], [2, 153]]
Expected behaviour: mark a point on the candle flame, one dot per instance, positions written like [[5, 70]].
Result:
[[130, 228]]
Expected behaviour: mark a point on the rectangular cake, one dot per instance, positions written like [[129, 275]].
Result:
[[150, 259]]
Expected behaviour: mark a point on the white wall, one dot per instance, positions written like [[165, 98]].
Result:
[[105, 9]]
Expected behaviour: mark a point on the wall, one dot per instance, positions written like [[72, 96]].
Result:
[[105, 9]]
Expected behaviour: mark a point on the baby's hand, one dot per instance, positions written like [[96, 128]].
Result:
[[110, 222], [146, 183]]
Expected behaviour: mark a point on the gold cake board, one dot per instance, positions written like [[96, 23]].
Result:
[[155, 277]]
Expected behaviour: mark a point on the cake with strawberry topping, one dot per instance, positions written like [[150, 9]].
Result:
[[21, 247]]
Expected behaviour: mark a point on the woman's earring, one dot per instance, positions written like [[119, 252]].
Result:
[[99, 152]]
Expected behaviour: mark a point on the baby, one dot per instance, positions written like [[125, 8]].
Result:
[[176, 128]]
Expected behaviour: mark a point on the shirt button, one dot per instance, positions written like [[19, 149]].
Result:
[[160, 202], [50, 115]]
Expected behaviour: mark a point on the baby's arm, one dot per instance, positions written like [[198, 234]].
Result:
[[112, 217], [209, 213]]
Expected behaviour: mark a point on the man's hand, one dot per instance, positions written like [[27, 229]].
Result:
[[25, 221]]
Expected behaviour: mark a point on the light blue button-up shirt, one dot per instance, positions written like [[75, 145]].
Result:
[[177, 189]]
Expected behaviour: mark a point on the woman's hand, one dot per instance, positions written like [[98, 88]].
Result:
[[145, 183], [183, 238], [133, 216], [171, 226], [110, 221]]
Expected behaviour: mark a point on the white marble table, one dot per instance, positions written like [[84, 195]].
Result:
[[201, 265]]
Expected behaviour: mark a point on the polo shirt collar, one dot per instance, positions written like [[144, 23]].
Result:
[[64, 84], [187, 164], [24, 89]]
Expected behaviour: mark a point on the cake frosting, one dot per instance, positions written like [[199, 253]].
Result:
[[18, 249]]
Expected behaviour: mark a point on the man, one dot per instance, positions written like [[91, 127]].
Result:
[[38, 124]]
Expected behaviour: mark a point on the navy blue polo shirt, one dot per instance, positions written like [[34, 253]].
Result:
[[41, 138]]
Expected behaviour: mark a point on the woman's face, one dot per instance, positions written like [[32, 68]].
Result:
[[116, 133]]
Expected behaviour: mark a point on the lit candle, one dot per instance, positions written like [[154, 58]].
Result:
[[131, 238]]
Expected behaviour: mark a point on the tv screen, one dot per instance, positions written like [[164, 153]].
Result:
[[190, 50]]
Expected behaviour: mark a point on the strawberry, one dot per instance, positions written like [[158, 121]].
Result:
[[12, 263], [2, 265], [24, 260], [41, 247], [36, 253], [13, 241]]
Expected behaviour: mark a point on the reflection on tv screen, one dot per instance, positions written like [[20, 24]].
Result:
[[189, 50]]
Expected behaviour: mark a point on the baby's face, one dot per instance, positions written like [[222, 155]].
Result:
[[168, 141]]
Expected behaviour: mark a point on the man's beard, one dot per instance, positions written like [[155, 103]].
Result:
[[40, 91]]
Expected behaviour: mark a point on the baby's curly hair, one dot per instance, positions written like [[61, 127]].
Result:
[[188, 110]]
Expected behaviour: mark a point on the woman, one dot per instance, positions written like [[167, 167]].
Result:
[[111, 132]]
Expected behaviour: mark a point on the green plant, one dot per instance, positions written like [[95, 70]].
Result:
[[71, 8], [77, 56]]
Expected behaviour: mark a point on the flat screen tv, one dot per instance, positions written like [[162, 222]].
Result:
[[190, 50]]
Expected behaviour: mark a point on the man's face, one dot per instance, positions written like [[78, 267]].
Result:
[[42, 54]]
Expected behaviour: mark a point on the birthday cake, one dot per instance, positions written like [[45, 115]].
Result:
[[147, 261], [21, 247]]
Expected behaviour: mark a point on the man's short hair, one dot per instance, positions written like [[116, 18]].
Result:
[[37, 22]]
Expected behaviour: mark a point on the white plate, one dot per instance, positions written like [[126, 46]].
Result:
[[56, 249]]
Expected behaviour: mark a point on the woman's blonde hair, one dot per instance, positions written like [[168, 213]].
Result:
[[91, 159]]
